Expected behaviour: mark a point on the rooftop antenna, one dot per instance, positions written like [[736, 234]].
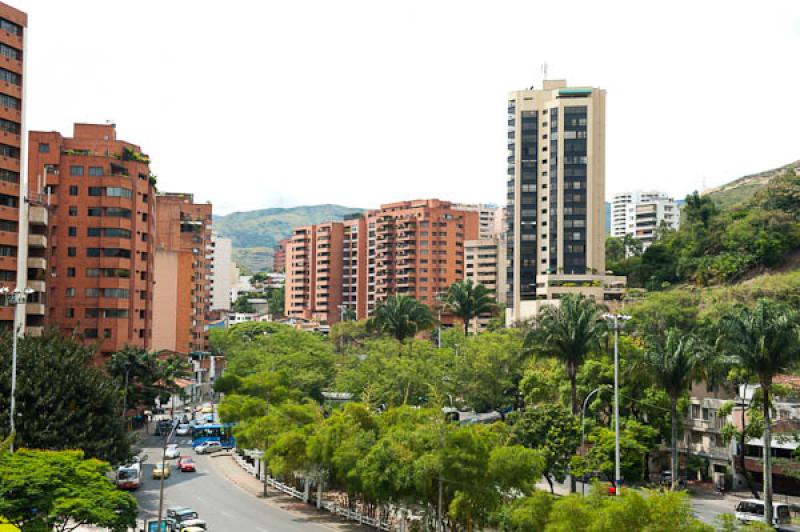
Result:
[[544, 70]]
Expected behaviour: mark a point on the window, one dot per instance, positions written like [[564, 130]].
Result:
[[118, 192], [90, 333], [92, 292], [73, 211], [95, 191], [70, 272], [106, 333], [10, 77], [8, 125], [92, 252], [72, 252], [8, 201], [96, 171], [76, 171], [7, 225], [10, 27], [94, 211], [70, 313], [121, 293], [695, 411], [92, 231], [72, 231], [117, 252], [9, 176], [73, 190], [92, 272], [70, 292], [10, 52], [9, 101], [8, 251], [117, 212]]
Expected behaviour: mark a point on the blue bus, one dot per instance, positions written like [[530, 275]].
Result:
[[215, 432]]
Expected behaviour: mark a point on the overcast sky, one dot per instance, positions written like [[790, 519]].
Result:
[[254, 104]]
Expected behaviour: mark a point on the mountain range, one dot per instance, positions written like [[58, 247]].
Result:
[[256, 233]]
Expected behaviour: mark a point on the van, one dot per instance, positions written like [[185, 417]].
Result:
[[753, 510]]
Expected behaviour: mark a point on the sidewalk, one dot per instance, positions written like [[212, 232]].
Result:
[[227, 467]]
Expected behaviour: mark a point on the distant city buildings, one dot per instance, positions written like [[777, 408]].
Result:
[[224, 273], [556, 190], [485, 263], [640, 214], [183, 263], [487, 218], [94, 250], [415, 248]]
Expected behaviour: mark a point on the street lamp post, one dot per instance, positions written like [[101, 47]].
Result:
[[18, 297], [163, 467], [583, 414], [615, 320]]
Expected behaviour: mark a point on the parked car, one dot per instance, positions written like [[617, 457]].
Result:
[[192, 525], [183, 429], [753, 510], [186, 464], [208, 447], [161, 469], [172, 451]]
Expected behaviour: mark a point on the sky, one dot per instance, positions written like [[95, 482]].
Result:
[[255, 104]]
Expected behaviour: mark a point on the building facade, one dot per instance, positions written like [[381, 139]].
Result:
[[223, 272], [640, 214], [183, 249], [485, 263], [487, 218], [14, 238], [556, 186], [415, 248], [279, 256], [97, 261]]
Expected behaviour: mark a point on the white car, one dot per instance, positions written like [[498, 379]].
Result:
[[208, 447], [173, 451], [183, 429]]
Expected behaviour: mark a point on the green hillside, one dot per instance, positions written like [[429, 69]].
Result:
[[742, 189], [255, 233]]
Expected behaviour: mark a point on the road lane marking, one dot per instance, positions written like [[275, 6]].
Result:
[[226, 514]]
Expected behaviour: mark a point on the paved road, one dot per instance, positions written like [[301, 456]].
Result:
[[222, 504]]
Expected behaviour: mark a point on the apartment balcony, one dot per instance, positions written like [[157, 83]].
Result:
[[37, 263], [32, 330], [37, 286], [37, 215], [37, 241], [35, 309]]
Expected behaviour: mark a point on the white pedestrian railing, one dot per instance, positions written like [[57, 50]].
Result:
[[332, 507]]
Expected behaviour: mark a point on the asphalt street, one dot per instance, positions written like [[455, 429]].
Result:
[[222, 504]]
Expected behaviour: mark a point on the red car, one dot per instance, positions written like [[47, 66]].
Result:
[[185, 463]]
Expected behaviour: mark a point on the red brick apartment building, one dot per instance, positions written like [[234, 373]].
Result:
[[414, 248], [184, 253], [279, 257], [97, 260], [13, 25]]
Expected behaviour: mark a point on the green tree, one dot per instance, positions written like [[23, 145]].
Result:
[[276, 302], [551, 430], [636, 441], [401, 317], [243, 305], [60, 490], [765, 341], [615, 249], [568, 332], [468, 300], [63, 400], [673, 361], [137, 374]]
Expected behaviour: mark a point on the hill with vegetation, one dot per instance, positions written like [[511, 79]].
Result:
[[256, 233], [742, 189], [718, 244]]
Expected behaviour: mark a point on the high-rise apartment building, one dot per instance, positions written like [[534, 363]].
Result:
[[556, 186], [13, 173], [487, 218], [279, 256], [640, 214], [414, 248], [183, 250], [485, 263], [223, 271], [98, 252]]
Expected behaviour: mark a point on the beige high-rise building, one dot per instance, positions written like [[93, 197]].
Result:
[[487, 217], [222, 272], [485, 263], [556, 196]]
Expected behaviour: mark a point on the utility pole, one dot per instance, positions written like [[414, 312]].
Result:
[[439, 507], [615, 318], [163, 468], [18, 298]]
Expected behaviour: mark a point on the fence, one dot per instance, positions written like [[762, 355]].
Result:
[[330, 506]]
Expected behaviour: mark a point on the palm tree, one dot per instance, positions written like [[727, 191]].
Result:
[[673, 362], [401, 316], [568, 332], [764, 340], [468, 300], [132, 366]]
